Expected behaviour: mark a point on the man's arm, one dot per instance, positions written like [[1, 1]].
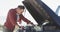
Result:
[[24, 19]]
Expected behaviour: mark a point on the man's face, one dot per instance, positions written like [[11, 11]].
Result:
[[20, 11]]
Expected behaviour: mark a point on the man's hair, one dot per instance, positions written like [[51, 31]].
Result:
[[21, 7]]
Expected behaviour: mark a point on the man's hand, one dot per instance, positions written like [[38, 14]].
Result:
[[31, 23], [16, 28]]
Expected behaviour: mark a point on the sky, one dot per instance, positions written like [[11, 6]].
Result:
[[5, 5]]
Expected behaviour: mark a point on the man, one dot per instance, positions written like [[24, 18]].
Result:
[[13, 16]]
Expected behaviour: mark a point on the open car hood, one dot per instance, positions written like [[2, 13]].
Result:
[[41, 12]]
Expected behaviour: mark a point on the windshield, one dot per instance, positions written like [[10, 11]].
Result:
[[54, 5]]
